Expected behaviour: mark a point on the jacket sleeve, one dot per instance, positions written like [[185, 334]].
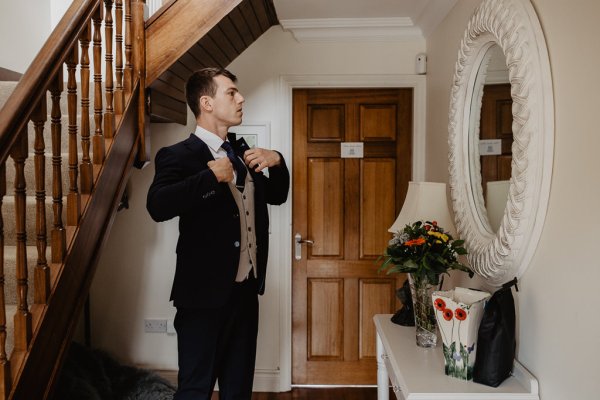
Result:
[[172, 192], [278, 183]]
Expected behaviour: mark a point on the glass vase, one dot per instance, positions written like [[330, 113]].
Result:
[[425, 321]]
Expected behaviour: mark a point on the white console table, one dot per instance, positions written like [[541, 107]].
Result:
[[418, 374]]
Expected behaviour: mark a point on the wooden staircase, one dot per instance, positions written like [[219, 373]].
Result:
[[70, 132]]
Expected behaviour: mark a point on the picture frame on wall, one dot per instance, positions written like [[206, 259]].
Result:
[[256, 134]]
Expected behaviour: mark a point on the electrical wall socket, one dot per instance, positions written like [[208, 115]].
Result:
[[170, 327], [155, 325]]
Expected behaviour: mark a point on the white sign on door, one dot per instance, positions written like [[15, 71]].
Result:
[[352, 149], [490, 147]]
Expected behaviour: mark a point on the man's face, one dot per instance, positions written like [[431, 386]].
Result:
[[227, 102]]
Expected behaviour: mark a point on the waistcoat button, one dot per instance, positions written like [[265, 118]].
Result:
[[236, 244]]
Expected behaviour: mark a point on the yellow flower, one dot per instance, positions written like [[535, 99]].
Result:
[[439, 235]]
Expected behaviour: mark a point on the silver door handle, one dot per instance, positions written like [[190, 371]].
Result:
[[298, 246]]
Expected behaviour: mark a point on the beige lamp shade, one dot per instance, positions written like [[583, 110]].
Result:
[[425, 201], [495, 201]]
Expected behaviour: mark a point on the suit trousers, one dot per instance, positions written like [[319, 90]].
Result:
[[218, 344]]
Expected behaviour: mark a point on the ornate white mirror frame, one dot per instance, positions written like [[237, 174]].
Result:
[[514, 26]]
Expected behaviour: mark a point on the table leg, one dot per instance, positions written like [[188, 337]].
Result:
[[382, 373]]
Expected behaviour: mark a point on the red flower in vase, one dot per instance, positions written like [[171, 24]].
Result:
[[439, 304], [460, 314], [448, 314]]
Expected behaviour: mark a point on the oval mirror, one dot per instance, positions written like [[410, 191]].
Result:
[[499, 254], [490, 138]]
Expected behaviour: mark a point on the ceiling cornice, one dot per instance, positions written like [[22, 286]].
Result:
[[352, 29]]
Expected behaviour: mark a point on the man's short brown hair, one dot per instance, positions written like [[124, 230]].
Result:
[[201, 83]]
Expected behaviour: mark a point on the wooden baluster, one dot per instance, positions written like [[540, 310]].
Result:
[[59, 236], [98, 139], [86, 169], [109, 115], [73, 198], [119, 100], [128, 73], [5, 380], [22, 316], [41, 277]]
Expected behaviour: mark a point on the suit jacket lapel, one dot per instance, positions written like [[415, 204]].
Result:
[[197, 146]]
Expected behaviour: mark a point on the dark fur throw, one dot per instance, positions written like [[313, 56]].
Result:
[[94, 375]]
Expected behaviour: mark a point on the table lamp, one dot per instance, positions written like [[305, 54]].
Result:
[[425, 201]]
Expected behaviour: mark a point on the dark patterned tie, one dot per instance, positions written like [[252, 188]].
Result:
[[239, 166]]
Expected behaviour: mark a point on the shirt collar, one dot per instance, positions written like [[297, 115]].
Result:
[[212, 140]]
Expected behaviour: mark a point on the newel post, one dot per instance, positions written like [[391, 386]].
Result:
[[139, 71]]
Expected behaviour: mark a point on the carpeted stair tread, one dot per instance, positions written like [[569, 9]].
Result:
[[10, 272], [64, 134], [8, 215], [7, 87], [29, 171], [11, 309]]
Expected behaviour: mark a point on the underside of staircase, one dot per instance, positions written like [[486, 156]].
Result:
[[69, 137], [215, 44]]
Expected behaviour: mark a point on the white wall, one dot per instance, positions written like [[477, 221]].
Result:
[[135, 273], [559, 332], [24, 27]]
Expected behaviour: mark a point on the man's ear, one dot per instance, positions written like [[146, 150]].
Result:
[[206, 103]]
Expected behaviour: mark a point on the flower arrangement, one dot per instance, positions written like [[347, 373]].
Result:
[[425, 251]]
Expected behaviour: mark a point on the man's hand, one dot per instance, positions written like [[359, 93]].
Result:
[[259, 159], [222, 169]]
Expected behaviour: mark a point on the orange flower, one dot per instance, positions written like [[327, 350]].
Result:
[[447, 314], [415, 242], [460, 314], [439, 304]]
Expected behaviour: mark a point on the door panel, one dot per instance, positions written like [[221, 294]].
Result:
[[326, 122], [377, 204], [375, 295], [345, 206], [378, 121], [325, 300], [325, 207]]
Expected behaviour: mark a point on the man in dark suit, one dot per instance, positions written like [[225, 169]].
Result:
[[221, 202]]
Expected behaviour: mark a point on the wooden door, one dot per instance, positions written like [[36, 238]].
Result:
[[496, 123], [345, 206]]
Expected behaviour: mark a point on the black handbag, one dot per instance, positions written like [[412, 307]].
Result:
[[496, 339]]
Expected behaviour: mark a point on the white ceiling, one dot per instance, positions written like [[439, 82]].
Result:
[[355, 19]]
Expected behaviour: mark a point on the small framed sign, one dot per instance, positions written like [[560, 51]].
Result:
[[352, 150], [490, 147]]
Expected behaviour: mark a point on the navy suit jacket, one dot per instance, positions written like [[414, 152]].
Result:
[[209, 220]]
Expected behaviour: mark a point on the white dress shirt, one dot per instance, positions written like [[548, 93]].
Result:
[[214, 142]]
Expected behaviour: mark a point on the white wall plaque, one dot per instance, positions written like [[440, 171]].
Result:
[[490, 147], [352, 149]]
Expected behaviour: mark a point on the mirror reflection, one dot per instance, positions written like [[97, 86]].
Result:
[[491, 138]]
